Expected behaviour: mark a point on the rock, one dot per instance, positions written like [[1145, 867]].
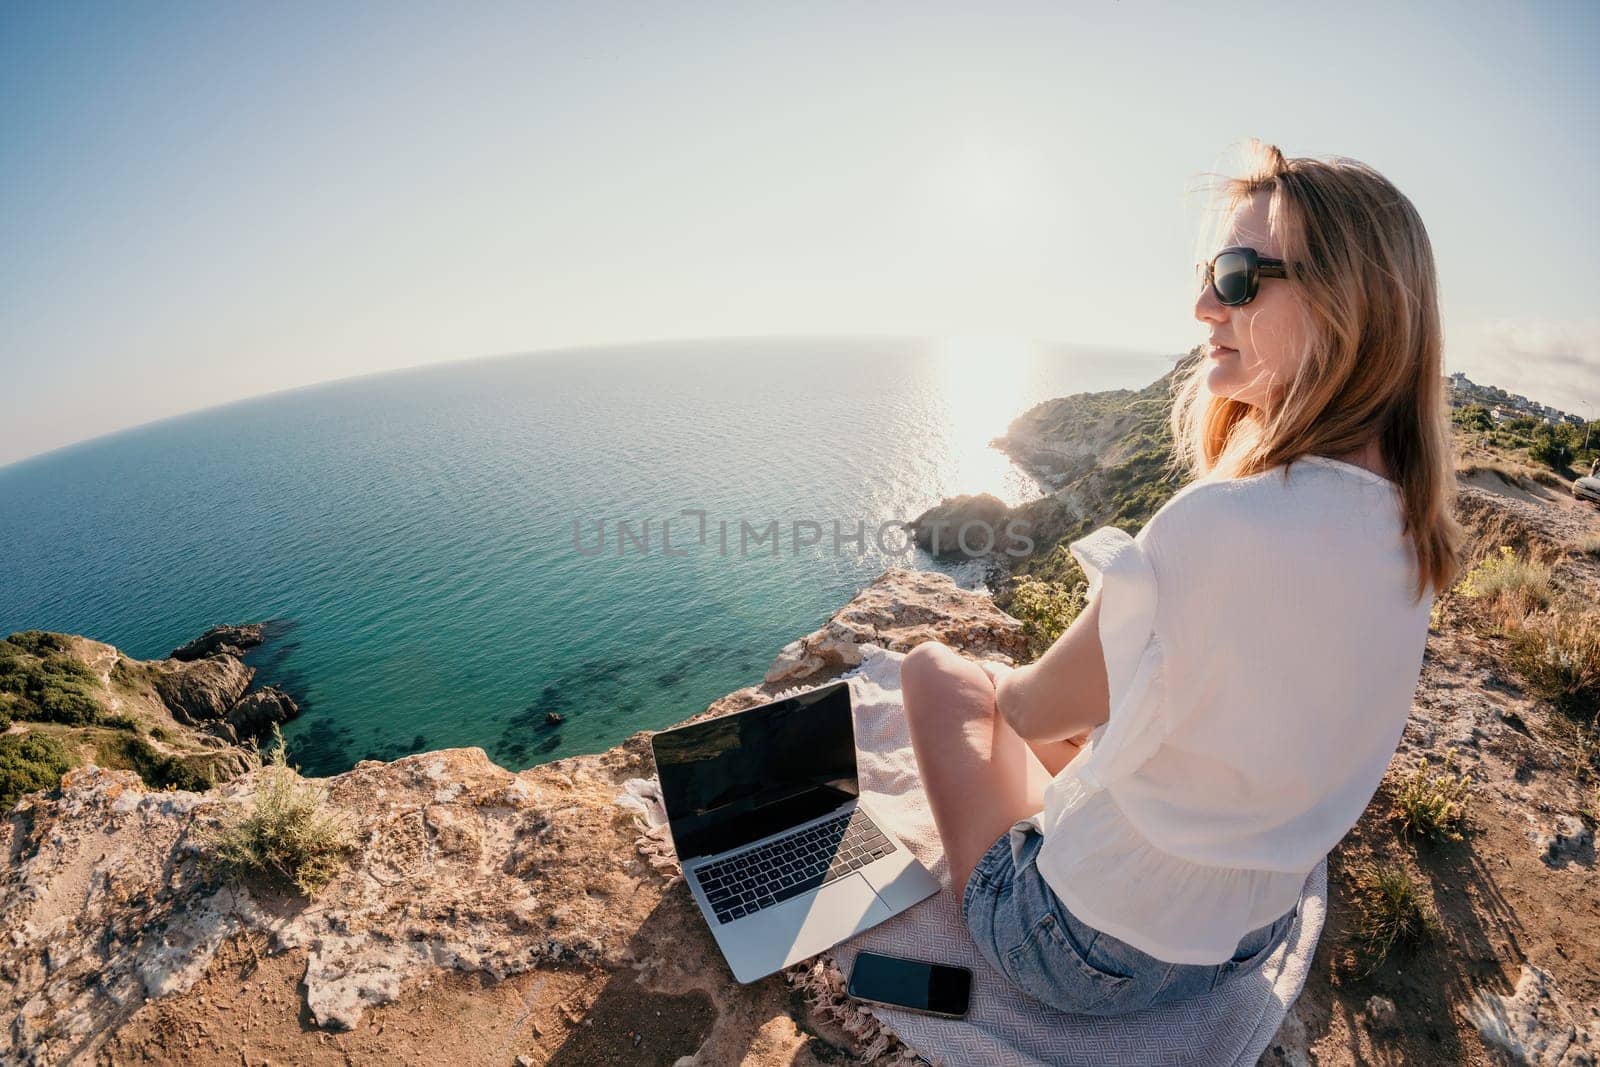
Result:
[[432, 886], [899, 610], [220, 764], [1381, 1011], [1534, 1025], [256, 713], [1290, 1046], [228, 640], [794, 660], [203, 690], [1570, 839], [963, 527], [552, 717]]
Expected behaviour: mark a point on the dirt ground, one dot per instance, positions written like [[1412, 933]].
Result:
[[249, 1010]]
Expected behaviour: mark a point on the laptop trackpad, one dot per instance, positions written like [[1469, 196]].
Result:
[[797, 929]]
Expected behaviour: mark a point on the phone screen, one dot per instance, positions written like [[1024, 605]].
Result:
[[930, 987]]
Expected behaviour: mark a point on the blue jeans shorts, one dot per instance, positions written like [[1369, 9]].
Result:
[[1024, 930]]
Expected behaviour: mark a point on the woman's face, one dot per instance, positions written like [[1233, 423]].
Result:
[[1264, 335]]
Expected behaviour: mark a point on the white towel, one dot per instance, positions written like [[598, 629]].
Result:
[[1004, 1026]]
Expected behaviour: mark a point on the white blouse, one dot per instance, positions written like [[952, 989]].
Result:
[[1262, 650]]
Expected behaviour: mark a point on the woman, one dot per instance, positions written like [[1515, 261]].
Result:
[[1131, 818]]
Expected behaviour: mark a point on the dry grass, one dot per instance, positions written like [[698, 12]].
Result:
[[1433, 806], [1510, 587], [1391, 912], [287, 836], [1588, 545], [1558, 654], [1507, 472]]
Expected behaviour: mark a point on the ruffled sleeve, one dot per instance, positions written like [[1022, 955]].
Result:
[[1119, 570]]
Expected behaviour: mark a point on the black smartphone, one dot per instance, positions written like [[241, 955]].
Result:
[[934, 988]]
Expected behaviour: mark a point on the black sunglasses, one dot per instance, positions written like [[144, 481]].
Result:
[[1235, 273]]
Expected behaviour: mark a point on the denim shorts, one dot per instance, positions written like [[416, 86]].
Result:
[[1024, 930]]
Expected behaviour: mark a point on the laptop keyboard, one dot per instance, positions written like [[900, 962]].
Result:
[[778, 870]]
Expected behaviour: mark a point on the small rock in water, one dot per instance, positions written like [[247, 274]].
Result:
[[552, 717]]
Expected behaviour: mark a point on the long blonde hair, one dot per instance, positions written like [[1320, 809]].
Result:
[[1363, 275]]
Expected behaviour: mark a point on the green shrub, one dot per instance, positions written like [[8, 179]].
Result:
[[1045, 609], [1433, 806], [155, 769], [46, 685], [120, 722], [286, 836], [1473, 417], [29, 762], [39, 643]]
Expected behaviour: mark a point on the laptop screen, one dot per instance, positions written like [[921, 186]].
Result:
[[739, 777]]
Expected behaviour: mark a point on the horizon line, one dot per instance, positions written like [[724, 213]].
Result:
[[864, 335]]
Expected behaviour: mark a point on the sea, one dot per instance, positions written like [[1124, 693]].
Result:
[[445, 555]]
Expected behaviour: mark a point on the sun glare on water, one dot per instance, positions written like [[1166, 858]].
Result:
[[982, 382]]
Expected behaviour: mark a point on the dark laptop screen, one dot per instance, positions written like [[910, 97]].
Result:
[[742, 776]]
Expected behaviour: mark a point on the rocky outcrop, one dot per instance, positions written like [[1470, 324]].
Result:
[[1536, 1026], [899, 610], [214, 693], [1060, 441], [224, 639], [174, 722], [1102, 458], [963, 527], [205, 690], [257, 713]]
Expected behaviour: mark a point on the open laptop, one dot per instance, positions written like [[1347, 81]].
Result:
[[767, 821]]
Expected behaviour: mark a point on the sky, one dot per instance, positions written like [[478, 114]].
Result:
[[201, 202]]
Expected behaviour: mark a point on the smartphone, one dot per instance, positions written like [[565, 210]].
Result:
[[934, 988]]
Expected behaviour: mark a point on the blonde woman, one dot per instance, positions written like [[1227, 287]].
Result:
[[1130, 819]]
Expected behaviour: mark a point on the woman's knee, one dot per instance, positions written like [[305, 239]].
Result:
[[926, 660]]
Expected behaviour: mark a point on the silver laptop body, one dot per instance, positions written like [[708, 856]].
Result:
[[777, 848]]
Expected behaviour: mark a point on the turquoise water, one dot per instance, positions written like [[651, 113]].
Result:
[[412, 535]]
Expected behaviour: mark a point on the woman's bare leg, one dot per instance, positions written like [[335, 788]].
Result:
[[979, 775]]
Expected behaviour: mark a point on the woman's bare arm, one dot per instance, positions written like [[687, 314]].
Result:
[[1065, 692]]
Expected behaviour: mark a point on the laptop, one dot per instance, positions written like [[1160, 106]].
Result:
[[766, 817]]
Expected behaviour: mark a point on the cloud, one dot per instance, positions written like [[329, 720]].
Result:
[[1551, 361]]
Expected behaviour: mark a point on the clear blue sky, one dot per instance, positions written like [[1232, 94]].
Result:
[[201, 202]]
